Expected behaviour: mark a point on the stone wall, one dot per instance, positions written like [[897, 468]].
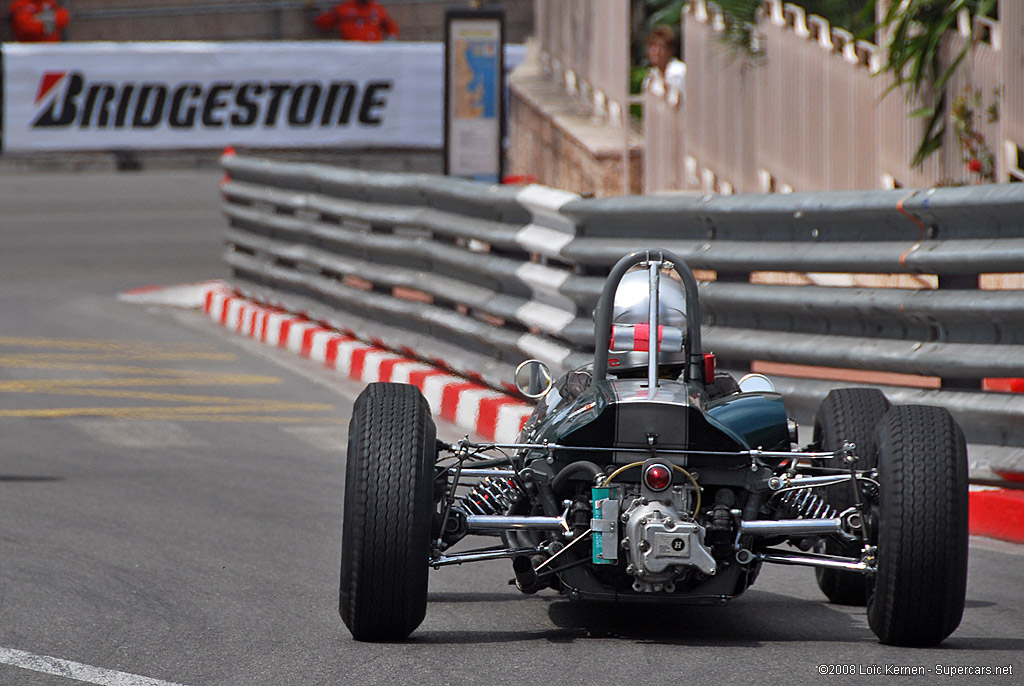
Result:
[[557, 140]]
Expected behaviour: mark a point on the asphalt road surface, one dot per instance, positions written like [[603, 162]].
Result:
[[170, 503]]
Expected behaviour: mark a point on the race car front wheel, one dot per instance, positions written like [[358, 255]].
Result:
[[847, 415], [917, 595], [385, 541]]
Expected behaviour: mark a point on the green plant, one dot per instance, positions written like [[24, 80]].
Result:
[[916, 30], [974, 150], [856, 16], [636, 83], [664, 13], [740, 17]]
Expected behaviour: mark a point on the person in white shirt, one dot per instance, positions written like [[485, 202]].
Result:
[[667, 72]]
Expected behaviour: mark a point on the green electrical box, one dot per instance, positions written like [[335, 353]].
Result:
[[604, 525]]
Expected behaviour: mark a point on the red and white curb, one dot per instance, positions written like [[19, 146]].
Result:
[[994, 512], [997, 513], [470, 406]]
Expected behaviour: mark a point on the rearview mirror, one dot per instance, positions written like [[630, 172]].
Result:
[[533, 379], [756, 382]]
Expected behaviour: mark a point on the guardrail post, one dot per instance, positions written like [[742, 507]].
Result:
[[733, 277], [733, 364], [958, 282], [961, 282]]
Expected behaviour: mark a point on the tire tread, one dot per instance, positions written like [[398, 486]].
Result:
[[919, 590], [386, 528], [847, 414]]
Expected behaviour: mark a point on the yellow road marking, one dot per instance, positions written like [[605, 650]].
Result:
[[90, 367], [178, 397], [183, 410], [17, 359], [192, 379], [93, 345], [169, 415], [135, 382]]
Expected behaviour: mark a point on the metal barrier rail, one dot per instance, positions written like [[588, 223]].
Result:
[[491, 275]]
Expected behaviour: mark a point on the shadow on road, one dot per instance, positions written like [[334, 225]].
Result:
[[757, 617]]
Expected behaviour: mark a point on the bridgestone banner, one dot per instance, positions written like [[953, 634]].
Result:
[[109, 96]]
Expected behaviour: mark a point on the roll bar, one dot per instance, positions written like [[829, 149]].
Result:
[[603, 315]]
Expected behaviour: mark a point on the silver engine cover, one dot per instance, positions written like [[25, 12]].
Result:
[[662, 546]]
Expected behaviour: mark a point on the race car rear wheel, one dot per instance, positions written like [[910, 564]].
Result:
[[917, 595], [388, 498], [847, 414]]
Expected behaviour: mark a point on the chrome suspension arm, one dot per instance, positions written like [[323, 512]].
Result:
[[482, 555]]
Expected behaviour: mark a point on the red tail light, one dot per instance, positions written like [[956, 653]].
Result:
[[709, 368], [658, 477]]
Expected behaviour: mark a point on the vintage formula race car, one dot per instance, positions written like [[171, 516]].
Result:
[[644, 477]]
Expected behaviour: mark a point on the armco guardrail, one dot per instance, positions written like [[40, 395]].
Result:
[[485, 276]]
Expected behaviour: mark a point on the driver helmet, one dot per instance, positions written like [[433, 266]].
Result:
[[631, 307]]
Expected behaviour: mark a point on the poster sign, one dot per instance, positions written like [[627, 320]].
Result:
[[474, 94]]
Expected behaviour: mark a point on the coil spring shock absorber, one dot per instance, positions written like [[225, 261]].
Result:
[[491, 496], [805, 503]]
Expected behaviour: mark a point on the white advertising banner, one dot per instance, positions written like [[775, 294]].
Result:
[[108, 96]]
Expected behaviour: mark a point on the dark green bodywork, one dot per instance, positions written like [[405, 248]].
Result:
[[608, 412], [758, 420]]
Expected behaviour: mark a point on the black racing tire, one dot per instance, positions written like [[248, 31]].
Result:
[[917, 595], [385, 545], [847, 414]]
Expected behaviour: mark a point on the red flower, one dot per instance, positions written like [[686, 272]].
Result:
[[974, 165]]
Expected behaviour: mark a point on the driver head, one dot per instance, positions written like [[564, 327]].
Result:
[[631, 307]]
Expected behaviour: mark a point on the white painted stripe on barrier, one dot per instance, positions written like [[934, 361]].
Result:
[[404, 370], [258, 322], [371, 363], [255, 316], [541, 277], [217, 304], [545, 317], [542, 240], [544, 282], [248, 315], [545, 203], [510, 417], [190, 295], [433, 389], [467, 409], [318, 346], [215, 289], [234, 312], [44, 664], [274, 322], [343, 363], [220, 304], [296, 332], [543, 350], [550, 231]]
